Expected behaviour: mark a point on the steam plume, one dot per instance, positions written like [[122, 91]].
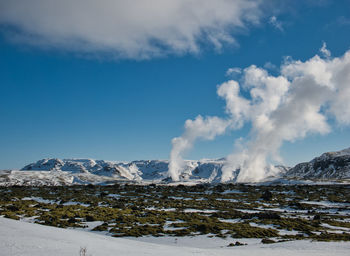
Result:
[[298, 102], [206, 128]]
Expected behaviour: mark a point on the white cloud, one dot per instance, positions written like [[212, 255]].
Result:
[[326, 53], [270, 66], [276, 23], [128, 29], [233, 71], [290, 106]]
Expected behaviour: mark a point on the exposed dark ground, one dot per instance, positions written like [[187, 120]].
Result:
[[272, 213]]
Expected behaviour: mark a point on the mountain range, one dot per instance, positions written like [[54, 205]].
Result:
[[53, 171]]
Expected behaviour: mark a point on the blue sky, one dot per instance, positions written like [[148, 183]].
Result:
[[58, 101]]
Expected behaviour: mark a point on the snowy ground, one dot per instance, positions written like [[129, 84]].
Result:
[[21, 238]]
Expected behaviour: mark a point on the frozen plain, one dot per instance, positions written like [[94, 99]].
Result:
[[22, 238]]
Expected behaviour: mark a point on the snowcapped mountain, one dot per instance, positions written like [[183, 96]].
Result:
[[135, 170], [330, 165], [84, 166], [53, 171]]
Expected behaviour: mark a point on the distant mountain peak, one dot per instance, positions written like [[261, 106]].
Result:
[[330, 165]]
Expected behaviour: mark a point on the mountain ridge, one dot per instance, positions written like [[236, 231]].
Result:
[[329, 165], [53, 171]]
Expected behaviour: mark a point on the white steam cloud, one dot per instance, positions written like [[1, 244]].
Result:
[[207, 128], [298, 102], [135, 29]]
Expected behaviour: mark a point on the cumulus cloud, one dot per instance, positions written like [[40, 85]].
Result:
[[127, 29], [298, 102]]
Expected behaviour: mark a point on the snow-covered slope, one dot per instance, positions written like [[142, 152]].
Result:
[[79, 171], [330, 165], [53, 171], [88, 166], [21, 238]]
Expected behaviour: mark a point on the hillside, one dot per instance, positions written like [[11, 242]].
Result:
[[330, 165]]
